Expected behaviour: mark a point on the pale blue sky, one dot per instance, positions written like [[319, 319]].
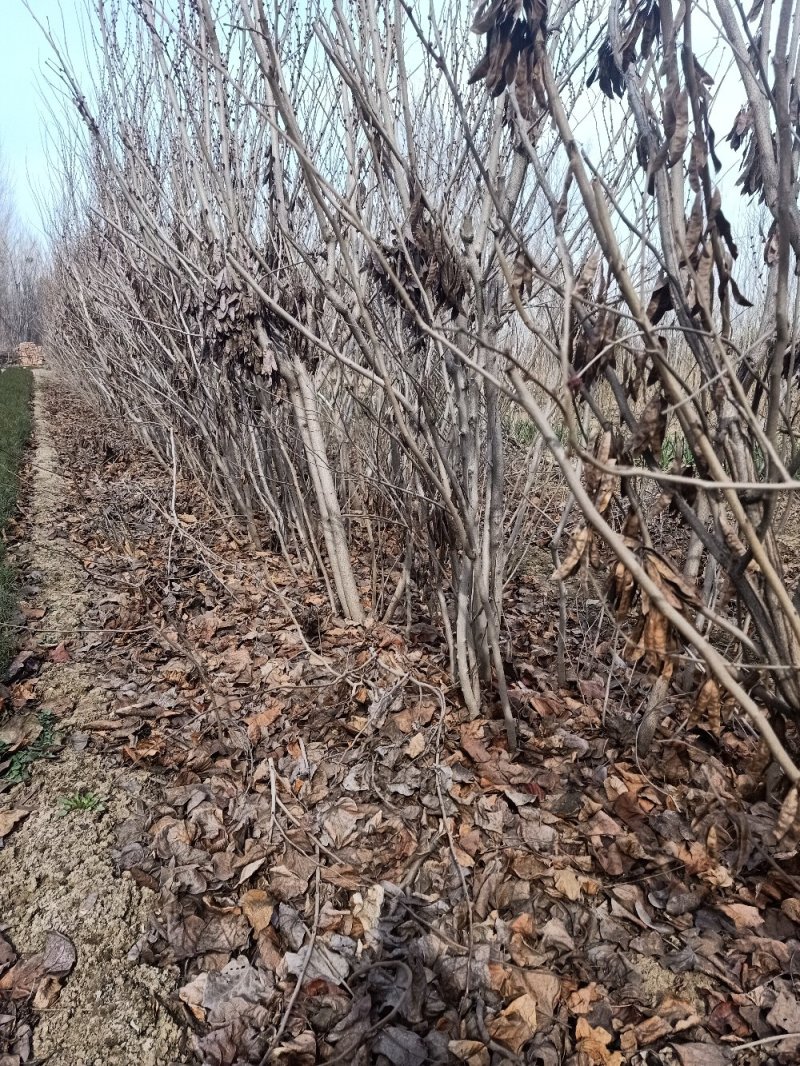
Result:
[[23, 52]]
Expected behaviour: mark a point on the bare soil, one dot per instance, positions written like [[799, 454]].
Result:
[[56, 870]]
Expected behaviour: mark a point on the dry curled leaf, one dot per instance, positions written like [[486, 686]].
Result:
[[623, 588], [60, 654], [696, 1054], [743, 916], [602, 452], [258, 908], [20, 732], [578, 543], [415, 746], [10, 819], [471, 1052], [593, 1045], [787, 829], [706, 710], [515, 1025]]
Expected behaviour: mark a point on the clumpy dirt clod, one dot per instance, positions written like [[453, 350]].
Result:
[[56, 870]]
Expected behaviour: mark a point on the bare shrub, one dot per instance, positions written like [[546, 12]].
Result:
[[309, 253]]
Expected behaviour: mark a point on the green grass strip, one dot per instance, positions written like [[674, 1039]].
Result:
[[16, 416]]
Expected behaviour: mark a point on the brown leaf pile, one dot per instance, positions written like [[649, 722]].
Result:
[[349, 869]]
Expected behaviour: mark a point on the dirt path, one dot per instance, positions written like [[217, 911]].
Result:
[[56, 871]]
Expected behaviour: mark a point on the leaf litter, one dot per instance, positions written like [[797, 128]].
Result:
[[344, 867]]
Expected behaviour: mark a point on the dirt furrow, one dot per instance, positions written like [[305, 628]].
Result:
[[56, 870]]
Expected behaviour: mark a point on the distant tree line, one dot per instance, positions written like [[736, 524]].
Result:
[[21, 276]]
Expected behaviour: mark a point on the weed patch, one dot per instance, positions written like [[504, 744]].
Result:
[[82, 801], [14, 765]]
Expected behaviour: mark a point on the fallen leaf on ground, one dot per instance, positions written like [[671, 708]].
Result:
[[514, 1026], [415, 746], [258, 909], [593, 1043], [696, 1054], [59, 954], [10, 819], [20, 732], [743, 916]]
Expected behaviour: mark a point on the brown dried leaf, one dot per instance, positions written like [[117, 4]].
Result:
[[415, 746], [743, 916], [47, 994], [8, 955], [772, 245], [197, 935], [515, 1025], [578, 544], [785, 1013], [472, 1052], [258, 908], [654, 640], [593, 1044], [694, 226], [660, 567], [60, 654], [605, 491], [650, 1030], [707, 707], [323, 963], [522, 273], [20, 732], [408, 720], [239, 663], [586, 278], [741, 125], [343, 877], [340, 823], [23, 978], [286, 884], [259, 723], [623, 588], [602, 452], [660, 302], [680, 135], [10, 819], [703, 284], [787, 830], [567, 883], [697, 1054]]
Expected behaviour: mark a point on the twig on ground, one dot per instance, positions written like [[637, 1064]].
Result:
[[764, 1041], [301, 976]]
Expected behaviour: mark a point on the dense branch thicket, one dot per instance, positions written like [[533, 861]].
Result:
[[362, 266]]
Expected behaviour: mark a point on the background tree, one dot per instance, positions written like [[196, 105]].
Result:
[[21, 274]]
